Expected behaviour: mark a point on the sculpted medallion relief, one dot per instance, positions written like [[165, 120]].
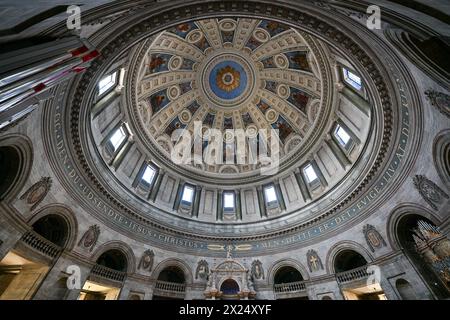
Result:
[[257, 270], [202, 270], [90, 238], [37, 192], [146, 262]]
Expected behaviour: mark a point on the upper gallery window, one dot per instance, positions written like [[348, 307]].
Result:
[[188, 194], [117, 138], [270, 194], [228, 200], [310, 173], [352, 79], [107, 83], [149, 174], [342, 136]]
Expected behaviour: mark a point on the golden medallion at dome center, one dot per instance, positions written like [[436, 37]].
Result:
[[228, 78]]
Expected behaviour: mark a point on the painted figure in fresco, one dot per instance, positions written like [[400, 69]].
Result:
[[184, 27], [156, 101], [253, 43], [174, 125], [156, 62], [300, 99], [301, 61], [275, 27], [246, 118], [271, 86], [284, 129], [263, 106], [202, 44]]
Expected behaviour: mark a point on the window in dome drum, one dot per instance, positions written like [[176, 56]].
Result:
[[352, 79]]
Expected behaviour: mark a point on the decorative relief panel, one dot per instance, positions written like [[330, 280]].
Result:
[[373, 238], [284, 108], [292, 78], [209, 202], [153, 84], [250, 206], [314, 261], [283, 43], [439, 100], [244, 31], [37, 192], [291, 189], [211, 30], [146, 261], [90, 237], [202, 270], [257, 270], [168, 189], [170, 44], [430, 191]]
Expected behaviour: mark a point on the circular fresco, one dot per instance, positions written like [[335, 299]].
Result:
[[228, 80]]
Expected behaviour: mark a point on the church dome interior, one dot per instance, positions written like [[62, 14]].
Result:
[[202, 105], [169, 150]]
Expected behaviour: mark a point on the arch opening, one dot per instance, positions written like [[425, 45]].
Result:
[[172, 274], [229, 287], [426, 247], [53, 228], [113, 259], [10, 160], [347, 260], [287, 275]]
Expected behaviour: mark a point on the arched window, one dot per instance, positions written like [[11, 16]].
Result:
[[287, 275], [348, 260], [172, 274], [113, 259], [53, 228]]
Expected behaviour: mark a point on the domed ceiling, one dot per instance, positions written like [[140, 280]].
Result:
[[238, 76], [258, 103]]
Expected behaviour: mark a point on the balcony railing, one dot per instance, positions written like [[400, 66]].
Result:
[[290, 287], [170, 286], [107, 273], [39, 243], [352, 275], [170, 289]]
